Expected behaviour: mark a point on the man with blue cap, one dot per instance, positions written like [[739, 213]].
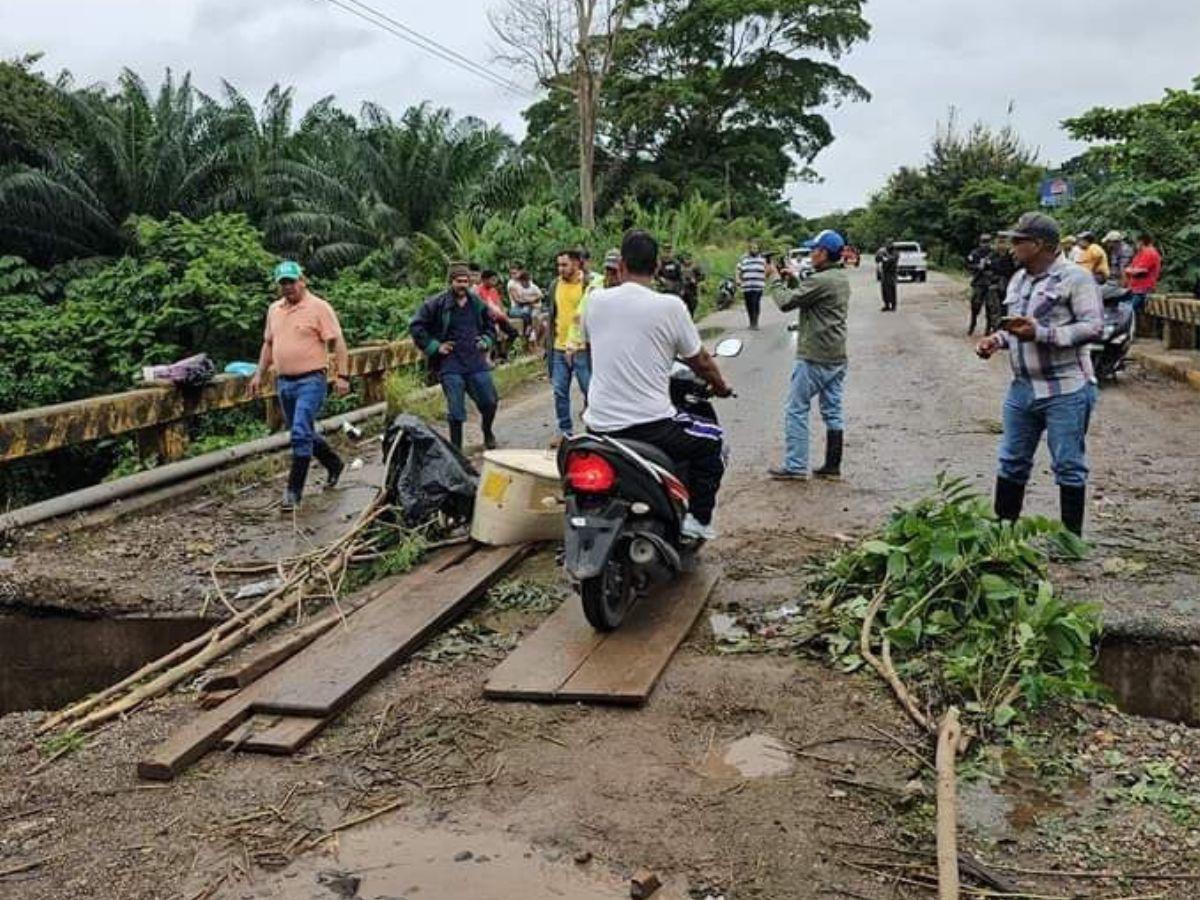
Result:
[[823, 302]]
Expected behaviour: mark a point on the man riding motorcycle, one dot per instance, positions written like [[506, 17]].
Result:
[[637, 334]]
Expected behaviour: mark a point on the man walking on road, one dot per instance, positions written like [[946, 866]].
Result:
[[1052, 311], [455, 330], [301, 329], [637, 335], [823, 302], [567, 360], [889, 262], [751, 277]]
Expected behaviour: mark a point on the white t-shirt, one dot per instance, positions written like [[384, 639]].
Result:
[[522, 295], [636, 334]]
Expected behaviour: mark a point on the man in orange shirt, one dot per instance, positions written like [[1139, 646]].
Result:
[[301, 328]]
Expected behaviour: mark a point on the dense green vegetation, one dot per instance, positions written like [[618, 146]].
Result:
[[1142, 173]]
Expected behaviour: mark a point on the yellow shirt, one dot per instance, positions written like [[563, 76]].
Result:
[[567, 298], [1095, 260]]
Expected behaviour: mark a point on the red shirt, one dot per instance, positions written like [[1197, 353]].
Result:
[[1149, 259], [491, 296]]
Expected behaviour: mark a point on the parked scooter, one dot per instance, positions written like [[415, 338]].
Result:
[[1108, 356], [625, 506], [726, 293]]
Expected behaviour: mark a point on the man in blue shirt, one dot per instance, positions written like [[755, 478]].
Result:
[[455, 329]]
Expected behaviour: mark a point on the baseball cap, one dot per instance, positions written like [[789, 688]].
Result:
[[1112, 236], [288, 270], [831, 242], [1038, 226], [612, 259]]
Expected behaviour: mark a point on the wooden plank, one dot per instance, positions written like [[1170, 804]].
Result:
[[544, 660], [194, 739], [566, 659], [278, 735], [190, 742], [343, 663], [627, 665]]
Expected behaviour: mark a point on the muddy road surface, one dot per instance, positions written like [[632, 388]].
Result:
[[744, 776]]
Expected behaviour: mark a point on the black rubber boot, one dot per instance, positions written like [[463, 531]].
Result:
[[489, 419], [1072, 504], [456, 435], [833, 455], [331, 461], [295, 483], [1010, 497]]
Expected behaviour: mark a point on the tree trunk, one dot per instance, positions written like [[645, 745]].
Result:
[[587, 151]]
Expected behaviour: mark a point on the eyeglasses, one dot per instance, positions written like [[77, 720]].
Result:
[[1018, 239], [287, 281]]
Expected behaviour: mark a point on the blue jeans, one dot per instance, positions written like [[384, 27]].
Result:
[[560, 377], [809, 379], [478, 384], [1065, 421], [1137, 301], [301, 399]]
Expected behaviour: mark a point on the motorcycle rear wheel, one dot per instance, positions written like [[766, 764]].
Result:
[[607, 597]]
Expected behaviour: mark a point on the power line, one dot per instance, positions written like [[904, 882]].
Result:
[[415, 38]]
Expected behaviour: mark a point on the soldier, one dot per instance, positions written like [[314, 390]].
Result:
[[670, 272], [692, 276], [888, 261], [977, 265], [1001, 268]]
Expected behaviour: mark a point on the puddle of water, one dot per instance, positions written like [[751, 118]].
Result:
[[401, 861], [1161, 681], [48, 661], [1002, 812], [754, 756]]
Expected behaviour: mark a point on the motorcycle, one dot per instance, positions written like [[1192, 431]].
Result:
[[625, 506], [1108, 355], [726, 293]]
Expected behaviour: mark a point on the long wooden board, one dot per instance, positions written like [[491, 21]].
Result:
[[388, 628], [342, 663], [566, 659]]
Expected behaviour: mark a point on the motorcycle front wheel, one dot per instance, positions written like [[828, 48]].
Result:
[[608, 596]]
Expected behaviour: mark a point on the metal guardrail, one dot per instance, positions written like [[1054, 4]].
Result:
[[1179, 318], [157, 413]]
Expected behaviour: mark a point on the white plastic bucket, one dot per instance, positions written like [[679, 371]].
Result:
[[520, 498]]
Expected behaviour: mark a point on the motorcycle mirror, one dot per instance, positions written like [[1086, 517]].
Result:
[[728, 347]]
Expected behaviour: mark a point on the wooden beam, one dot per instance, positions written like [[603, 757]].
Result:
[[30, 432]]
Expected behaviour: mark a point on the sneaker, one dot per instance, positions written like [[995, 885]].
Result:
[[289, 502], [692, 528], [778, 473]]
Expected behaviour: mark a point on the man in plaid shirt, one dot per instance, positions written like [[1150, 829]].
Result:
[[1052, 312]]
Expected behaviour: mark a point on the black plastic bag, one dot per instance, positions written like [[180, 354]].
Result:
[[425, 474]]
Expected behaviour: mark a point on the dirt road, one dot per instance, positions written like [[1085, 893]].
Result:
[[689, 784]]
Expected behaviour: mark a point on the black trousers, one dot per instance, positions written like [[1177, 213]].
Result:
[[979, 294], [889, 293], [697, 446], [753, 305]]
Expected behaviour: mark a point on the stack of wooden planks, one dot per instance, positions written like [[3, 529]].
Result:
[[566, 659], [299, 689]]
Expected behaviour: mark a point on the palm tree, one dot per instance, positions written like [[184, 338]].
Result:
[[137, 154]]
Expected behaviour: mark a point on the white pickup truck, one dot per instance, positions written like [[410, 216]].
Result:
[[912, 265]]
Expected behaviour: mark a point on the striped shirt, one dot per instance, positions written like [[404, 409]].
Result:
[[752, 272], [1065, 302]]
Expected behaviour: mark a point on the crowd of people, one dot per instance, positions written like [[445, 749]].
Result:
[[616, 333]]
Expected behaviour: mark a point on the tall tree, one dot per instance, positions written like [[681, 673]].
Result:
[[567, 43]]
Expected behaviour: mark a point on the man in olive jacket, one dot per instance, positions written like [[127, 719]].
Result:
[[823, 302]]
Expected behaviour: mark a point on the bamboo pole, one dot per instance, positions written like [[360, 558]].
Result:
[[949, 736]]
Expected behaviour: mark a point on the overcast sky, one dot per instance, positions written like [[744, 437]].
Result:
[[1049, 60]]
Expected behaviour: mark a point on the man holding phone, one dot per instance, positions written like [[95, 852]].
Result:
[[1052, 312]]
